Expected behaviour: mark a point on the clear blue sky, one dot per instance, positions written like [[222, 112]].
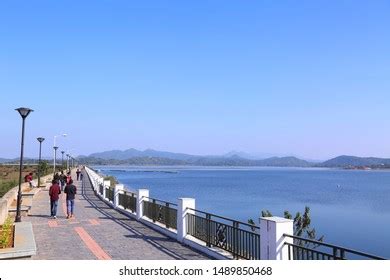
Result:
[[309, 78]]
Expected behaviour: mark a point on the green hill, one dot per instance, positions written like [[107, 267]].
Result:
[[353, 161]]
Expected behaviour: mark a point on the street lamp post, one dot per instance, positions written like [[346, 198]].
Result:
[[24, 112], [55, 157], [55, 151], [67, 161], [62, 160], [40, 140]]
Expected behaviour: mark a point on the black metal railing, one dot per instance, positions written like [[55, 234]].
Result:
[[242, 240], [101, 188], [161, 211], [110, 194], [128, 200], [308, 249]]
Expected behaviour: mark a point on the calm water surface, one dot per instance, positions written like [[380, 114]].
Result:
[[351, 208]]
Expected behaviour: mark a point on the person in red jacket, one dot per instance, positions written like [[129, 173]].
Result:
[[54, 193], [28, 179]]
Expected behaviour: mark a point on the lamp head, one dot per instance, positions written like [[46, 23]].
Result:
[[55, 147], [40, 139], [24, 112], [62, 152]]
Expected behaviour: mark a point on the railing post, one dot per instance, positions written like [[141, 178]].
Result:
[[236, 240], [208, 230], [99, 181], [182, 211], [342, 254], [118, 188], [94, 185], [106, 183], [128, 203], [335, 253], [167, 216], [272, 241], [154, 211], [125, 200], [142, 195]]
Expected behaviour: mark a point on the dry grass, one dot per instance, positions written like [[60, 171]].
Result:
[[9, 176]]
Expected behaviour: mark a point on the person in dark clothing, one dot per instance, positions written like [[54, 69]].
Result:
[[81, 176], [70, 191], [54, 193], [78, 174], [56, 177], [62, 180]]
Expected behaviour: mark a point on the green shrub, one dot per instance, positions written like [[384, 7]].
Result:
[[43, 167], [302, 225], [6, 233], [5, 186]]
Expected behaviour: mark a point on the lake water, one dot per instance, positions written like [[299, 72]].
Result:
[[350, 208]]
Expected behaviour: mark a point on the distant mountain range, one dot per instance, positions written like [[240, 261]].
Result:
[[150, 156], [234, 158], [133, 153], [153, 157], [199, 161], [2, 160]]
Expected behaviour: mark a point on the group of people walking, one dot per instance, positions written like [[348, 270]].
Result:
[[63, 183]]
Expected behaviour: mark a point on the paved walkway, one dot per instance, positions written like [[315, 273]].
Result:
[[97, 232]]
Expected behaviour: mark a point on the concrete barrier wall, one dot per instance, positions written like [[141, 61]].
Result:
[[11, 195], [3, 210]]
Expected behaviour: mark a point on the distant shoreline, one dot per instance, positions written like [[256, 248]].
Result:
[[163, 167], [153, 158], [184, 166]]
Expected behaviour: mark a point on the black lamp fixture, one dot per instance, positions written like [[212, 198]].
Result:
[[24, 112], [55, 158], [67, 161], [62, 161], [40, 140]]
